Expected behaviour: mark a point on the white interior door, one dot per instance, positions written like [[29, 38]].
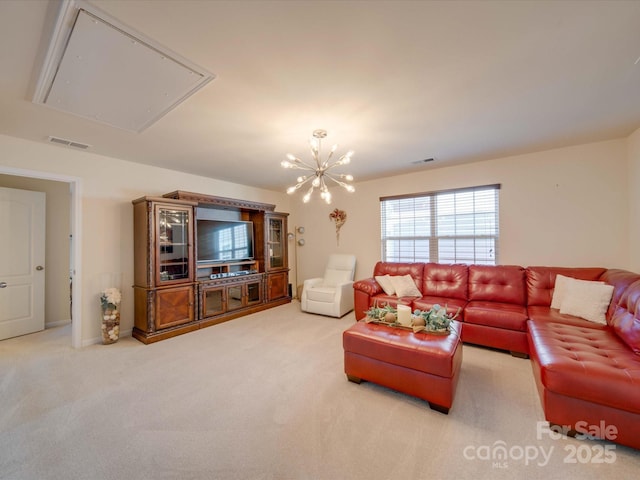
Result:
[[22, 241]]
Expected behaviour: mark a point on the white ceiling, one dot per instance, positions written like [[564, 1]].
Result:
[[397, 82]]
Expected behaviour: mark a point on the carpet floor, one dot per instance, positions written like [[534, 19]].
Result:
[[265, 397]]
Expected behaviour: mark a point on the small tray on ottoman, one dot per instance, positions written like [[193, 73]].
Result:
[[419, 364]]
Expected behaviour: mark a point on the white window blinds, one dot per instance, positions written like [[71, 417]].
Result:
[[451, 226]]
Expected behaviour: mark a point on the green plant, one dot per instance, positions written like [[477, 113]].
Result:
[[436, 318], [382, 314]]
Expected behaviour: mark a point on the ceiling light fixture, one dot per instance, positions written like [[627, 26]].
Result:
[[319, 170]]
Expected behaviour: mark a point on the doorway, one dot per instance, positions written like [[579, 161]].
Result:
[[74, 206]]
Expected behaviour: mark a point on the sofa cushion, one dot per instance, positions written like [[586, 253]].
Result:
[[321, 294], [625, 319], [587, 363], [621, 280], [498, 315], [333, 277], [445, 280], [541, 281], [385, 283], [414, 269], [500, 283], [405, 286], [548, 314], [588, 300], [563, 285]]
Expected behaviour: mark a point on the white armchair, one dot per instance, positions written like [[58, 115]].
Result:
[[332, 294]]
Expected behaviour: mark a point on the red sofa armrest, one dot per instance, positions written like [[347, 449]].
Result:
[[368, 286], [363, 290]]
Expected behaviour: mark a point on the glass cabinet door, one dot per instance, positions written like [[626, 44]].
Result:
[[275, 242], [173, 244], [213, 302], [235, 297], [254, 292]]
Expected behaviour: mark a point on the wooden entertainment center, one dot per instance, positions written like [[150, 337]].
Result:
[[174, 293]]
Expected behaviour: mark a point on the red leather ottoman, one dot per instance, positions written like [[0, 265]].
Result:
[[423, 365]]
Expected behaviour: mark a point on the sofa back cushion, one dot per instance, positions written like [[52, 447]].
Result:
[[500, 283], [399, 268], [446, 280], [621, 280], [541, 281], [625, 319]]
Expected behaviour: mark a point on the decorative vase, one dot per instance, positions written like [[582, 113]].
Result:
[[110, 324], [110, 304]]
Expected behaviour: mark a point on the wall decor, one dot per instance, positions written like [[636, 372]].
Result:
[[339, 217]]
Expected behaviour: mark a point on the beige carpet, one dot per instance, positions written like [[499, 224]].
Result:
[[265, 397]]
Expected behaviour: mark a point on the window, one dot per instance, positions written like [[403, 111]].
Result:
[[451, 226]]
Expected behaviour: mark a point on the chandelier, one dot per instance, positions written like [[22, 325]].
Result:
[[319, 174]]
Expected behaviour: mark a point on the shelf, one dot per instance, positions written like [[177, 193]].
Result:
[[226, 264]]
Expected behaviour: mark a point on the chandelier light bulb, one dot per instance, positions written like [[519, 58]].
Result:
[[319, 169]]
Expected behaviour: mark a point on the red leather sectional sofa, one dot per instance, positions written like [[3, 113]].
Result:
[[587, 374]]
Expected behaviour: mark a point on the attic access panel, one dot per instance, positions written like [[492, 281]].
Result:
[[115, 77]]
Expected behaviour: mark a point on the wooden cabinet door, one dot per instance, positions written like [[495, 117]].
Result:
[[277, 285], [174, 306]]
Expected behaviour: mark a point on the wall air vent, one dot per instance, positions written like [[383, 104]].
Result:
[[68, 143], [102, 70]]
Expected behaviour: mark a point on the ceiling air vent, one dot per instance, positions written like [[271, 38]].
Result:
[[68, 143], [426, 160], [103, 70]]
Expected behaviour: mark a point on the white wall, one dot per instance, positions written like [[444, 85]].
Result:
[[569, 206], [108, 186], [563, 207], [633, 148]]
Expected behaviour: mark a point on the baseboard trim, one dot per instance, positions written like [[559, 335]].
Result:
[[59, 323]]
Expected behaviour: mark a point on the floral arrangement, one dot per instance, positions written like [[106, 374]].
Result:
[[435, 320], [110, 298], [339, 217]]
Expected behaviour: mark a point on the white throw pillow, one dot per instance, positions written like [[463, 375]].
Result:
[[385, 282], [333, 278], [588, 300], [405, 286], [562, 284]]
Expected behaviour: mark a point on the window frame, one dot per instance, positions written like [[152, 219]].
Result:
[[491, 223]]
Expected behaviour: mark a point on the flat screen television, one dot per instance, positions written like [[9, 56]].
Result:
[[224, 240]]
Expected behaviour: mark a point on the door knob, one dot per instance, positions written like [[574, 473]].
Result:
[[3, 284], [39, 267]]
